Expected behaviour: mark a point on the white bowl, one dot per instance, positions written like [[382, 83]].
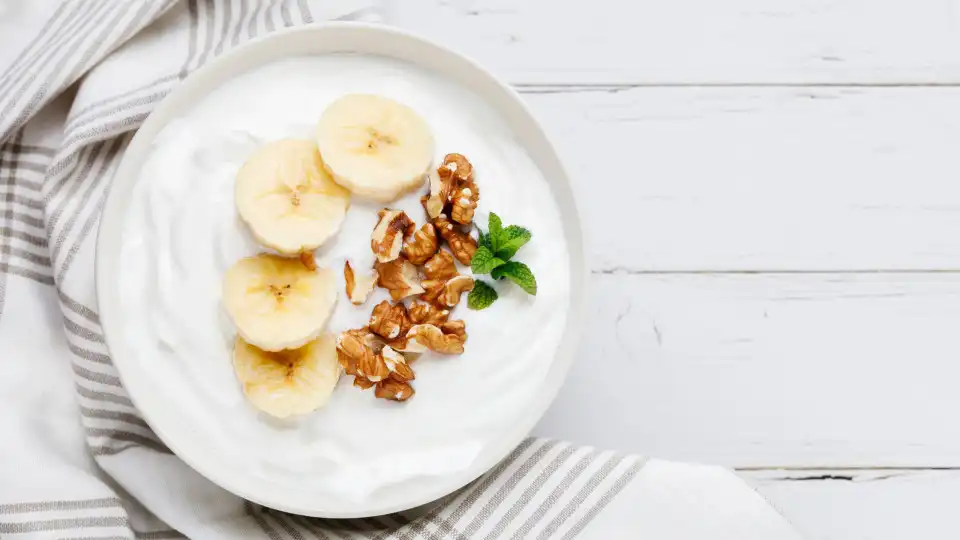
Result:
[[319, 40]]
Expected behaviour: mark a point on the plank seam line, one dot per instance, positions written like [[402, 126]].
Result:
[[616, 271], [562, 88]]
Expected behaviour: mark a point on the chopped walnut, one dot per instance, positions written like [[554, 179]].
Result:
[[440, 188], [446, 294], [389, 321], [458, 166], [386, 241], [440, 266], [423, 246], [457, 328], [359, 287], [363, 383], [461, 243], [397, 365], [354, 347], [423, 337], [433, 289], [453, 289], [400, 277], [394, 390], [423, 313], [464, 203], [373, 368]]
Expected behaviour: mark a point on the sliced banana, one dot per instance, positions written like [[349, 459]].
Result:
[[277, 303], [290, 382], [288, 199], [374, 146]]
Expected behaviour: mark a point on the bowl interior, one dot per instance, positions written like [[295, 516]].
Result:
[[357, 38]]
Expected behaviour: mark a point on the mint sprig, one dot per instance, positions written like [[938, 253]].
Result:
[[518, 273], [482, 296], [511, 239], [495, 250], [484, 261]]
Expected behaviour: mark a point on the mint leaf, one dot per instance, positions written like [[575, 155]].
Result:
[[512, 239], [484, 239], [481, 296], [518, 273], [494, 230], [484, 261]]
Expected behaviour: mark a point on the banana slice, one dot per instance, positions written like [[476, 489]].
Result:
[[276, 302], [374, 146], [290, 382], [288, 199]]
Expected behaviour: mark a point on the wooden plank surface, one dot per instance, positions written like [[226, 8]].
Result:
[[803, 150], [769, 370], [864, 505], [819, 178], [698, 41]]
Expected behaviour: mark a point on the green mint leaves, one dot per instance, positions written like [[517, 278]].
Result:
[[481, 296], [495, 249], [511, 239], [518, 273], [484, 261]]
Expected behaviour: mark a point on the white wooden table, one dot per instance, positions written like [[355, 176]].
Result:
[[772, 194]]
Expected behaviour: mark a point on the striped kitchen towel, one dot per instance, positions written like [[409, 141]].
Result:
[[76, 458]]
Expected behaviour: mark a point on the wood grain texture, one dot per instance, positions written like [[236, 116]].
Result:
[[802, 149], [681, 179], [769, 370], [698, 41], [864, 505]]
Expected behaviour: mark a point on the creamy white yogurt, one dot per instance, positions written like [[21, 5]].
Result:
[[182, 232]]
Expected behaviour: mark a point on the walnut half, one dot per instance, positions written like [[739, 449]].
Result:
[[389, 321], [464, 203], [440, 266], [447, 293], [423, 313], [424, 337], [423, 246]]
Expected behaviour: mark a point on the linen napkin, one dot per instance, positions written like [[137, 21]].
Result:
[[76, 458]]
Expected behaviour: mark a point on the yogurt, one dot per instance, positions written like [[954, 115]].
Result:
[[182, 232]]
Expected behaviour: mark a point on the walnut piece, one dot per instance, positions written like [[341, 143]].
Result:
[[453, 289], [423, 313], [386, 241], [400, 277], [464, 202], [433, 288], [373, 368], [424, 337], [446, 294], [457, 328], [355, 347], [462, 244], [394, 390], [389, 321], [359, 287], [458, 166], [423, 246], [440, 188], [440, 266], [397, 365], [362, 383]]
